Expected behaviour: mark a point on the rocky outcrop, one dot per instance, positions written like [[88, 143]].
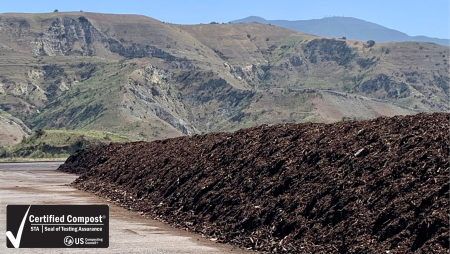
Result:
[[12, 130], [192, 102], [252, 74], [67, 36], [149, 94]]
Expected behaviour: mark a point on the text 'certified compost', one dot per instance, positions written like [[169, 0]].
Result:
[[57, 226]]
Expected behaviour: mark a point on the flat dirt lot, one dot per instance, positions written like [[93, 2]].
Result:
[[39, 183]]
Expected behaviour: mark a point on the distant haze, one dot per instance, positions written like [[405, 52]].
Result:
[[414, 17], [351, 28]]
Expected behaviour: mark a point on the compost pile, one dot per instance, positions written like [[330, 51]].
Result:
[[378, 186]]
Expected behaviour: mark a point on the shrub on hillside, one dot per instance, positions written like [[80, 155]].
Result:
[[370, 43]]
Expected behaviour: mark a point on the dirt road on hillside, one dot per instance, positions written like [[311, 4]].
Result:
[[39, 183]]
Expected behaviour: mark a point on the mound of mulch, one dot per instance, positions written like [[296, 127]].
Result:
[[379, 186]]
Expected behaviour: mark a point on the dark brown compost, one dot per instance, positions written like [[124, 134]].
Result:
[[378, 186]]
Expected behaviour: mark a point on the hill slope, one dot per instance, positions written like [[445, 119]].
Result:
[[352, 28], [12, 129], [55, 144], [138, 77], [351, 187]]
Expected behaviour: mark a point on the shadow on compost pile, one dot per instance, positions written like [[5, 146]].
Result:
[[349, 187]]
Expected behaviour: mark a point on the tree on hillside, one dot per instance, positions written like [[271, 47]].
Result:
[[39, 133], [56, 10], [370, 43]]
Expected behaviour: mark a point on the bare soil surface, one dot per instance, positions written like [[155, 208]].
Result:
[[130, 232], [378, 186]]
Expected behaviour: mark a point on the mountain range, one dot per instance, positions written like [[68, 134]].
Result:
[[145, 79], [351, 28]]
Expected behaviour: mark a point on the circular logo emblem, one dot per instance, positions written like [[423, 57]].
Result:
[[68, 240]]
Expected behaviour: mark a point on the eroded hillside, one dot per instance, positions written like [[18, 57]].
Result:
[[146, 79]]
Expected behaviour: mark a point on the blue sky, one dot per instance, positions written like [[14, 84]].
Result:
[[414, 17]]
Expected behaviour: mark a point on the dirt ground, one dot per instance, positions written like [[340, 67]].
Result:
[[378, 186], [130, 232]]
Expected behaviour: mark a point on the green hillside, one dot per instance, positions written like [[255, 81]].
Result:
[[56, 144], [146, 80]]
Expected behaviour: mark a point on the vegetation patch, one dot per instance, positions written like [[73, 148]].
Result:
[[383, 82], [366, 62], [57, 143], [443, 82], [328, 50], [295, 61], [52, 71], [382, 86], [138, 51]]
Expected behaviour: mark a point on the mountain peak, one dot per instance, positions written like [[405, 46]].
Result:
[[351, 28], [251, 19]]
